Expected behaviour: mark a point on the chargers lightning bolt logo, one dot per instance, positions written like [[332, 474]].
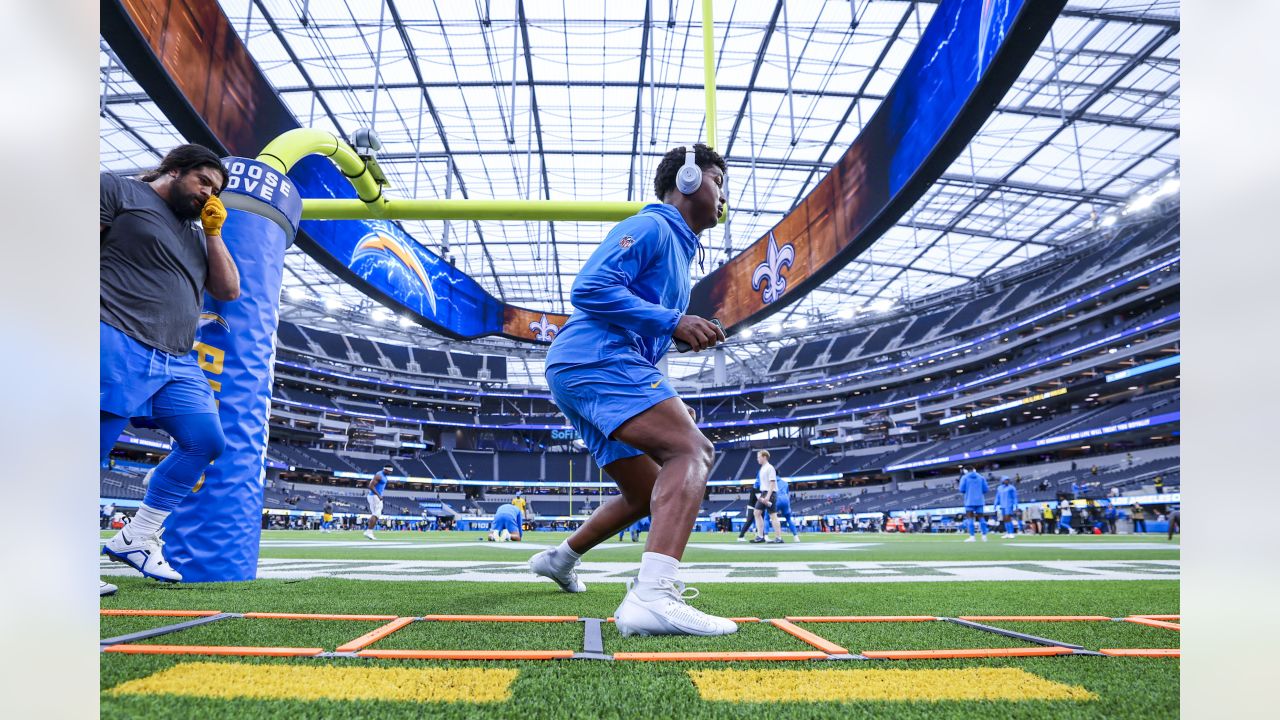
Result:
[[377, 244], [207, 317], [769, 272]]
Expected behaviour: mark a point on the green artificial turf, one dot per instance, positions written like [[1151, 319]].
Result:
[[1127, 687], [1096, 635], [436, 635], [749, 637], [260, 632], [872, 547], [931, 635], [116, 625]]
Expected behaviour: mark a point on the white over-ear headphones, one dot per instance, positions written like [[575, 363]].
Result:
[[689, 177]]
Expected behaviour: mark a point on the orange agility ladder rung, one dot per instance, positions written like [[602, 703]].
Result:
[[467, 654], [1142, 652], [316, 616], [162, 613], [964, 653], [813, 639], [212, 650], [714, 656], [1153, 623], [1033, 618], [861, 618], [1158, 617], [502, 618], [374, 636]]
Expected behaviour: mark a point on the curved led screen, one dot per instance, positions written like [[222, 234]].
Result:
[[969, 54]]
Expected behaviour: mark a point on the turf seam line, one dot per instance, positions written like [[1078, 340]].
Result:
[[164, 630], [592, 639], [1013, 634]]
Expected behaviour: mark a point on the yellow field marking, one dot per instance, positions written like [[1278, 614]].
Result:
[[849, 685], [312, 682]]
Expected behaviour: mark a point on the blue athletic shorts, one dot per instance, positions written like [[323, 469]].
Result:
[[1005, 511], [975, 509], [784, 509], [141, 381], [598, 397], [506, 522]]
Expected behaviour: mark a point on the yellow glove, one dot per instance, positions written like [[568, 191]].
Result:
[[213, 215]]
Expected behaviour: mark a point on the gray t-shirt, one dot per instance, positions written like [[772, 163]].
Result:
[[152, 266]]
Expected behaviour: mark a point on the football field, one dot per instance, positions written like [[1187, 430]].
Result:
[[442, 624]]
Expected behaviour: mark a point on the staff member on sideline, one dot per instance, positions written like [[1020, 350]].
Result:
[[155, 264], [767, 500], [629, 302]]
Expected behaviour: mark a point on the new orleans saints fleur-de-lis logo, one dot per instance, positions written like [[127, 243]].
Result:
[[769, 272], [544, 331]]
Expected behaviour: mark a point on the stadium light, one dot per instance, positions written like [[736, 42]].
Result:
[[1108, 221], [845, 313], [406, 322], [296, 293], [746, 334], [802, 323], [332, 304], [1169, 187], [1141, 203]]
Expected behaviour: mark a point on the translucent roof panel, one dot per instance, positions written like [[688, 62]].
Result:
[[555, 100]]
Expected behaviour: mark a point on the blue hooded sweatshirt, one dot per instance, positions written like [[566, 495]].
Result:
[[974, 488], [632, 291]]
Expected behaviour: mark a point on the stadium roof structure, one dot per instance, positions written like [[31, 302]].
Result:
[[574, 100]]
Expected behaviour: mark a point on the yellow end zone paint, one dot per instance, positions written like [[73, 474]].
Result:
[[312, 682], [852, 685]]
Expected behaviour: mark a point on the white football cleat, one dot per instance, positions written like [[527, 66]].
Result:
[[105, 588], [369, 534], [795, 538], [1007, 536], [142, 554], [971, 539], [666, 612], [741, 539], [543, 564], [984, 537]]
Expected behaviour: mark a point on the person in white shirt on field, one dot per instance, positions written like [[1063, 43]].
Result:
[[767, 499]]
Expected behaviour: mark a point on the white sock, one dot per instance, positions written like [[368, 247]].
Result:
[[656, 566], [146, 522], [564, 555]]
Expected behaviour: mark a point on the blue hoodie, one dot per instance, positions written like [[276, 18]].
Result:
[[632, 291], [1006, 496], [974, 488]]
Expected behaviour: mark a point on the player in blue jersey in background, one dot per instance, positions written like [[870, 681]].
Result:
[[376, 486], [508, 524], [784, 508], [973, 487], [1006, 504], [630, 302]]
